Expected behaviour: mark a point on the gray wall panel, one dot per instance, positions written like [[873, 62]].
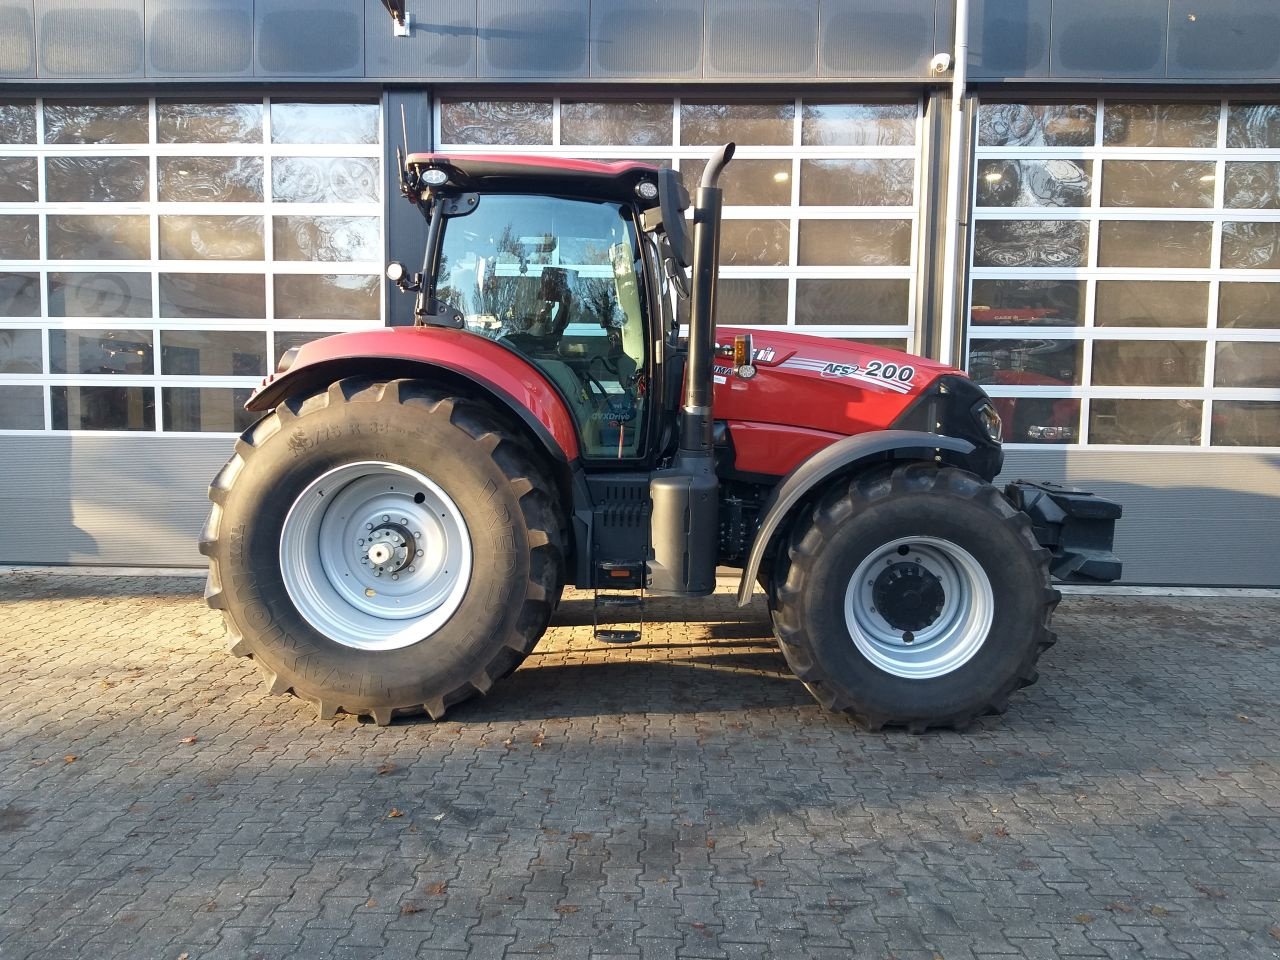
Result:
[[869, 39], [761, 38], [646, 38], [1103, 38], [442, 43], [199, 38], [321, 38], [89, 38], [1228, 38], [17, 38], [522, 39], [1009, 38]]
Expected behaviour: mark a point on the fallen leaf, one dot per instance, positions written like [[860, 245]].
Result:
[[538, 739], [580, 837], [1026, 865], [183, 956], [386, 768], [437, 889], [1275, 932], [1119, 907], [394, 813], [758, 884], [974, 836], [1001, 831], [1158, 911], [507, 743], [1084, 918], [566, 908], [1211, 893], [70, 758], [371, 903], [1242, 718], [698, 926], [189, 740], [410, 908], [711, 844]]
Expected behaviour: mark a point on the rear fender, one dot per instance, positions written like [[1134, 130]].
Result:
[[842, 457]]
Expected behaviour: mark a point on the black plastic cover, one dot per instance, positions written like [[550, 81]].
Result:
[[1076, 526]]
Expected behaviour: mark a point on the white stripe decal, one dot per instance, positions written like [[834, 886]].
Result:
[[818, 366]]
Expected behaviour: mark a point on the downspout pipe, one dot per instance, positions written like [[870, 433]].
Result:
[[956, 194]]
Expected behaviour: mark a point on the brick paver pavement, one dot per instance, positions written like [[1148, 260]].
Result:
[[682, 798]]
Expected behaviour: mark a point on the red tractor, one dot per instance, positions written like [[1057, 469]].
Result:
[[394, 533]]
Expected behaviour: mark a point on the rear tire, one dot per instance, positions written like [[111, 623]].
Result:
[[913, 597], [305, 603]]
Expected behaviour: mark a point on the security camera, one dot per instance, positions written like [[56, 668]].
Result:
[[941, 63]]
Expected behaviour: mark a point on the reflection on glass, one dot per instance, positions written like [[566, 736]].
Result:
[[1151, 303], [1030, 243], [213, 353], [1026, 363], [1028, 303], [20, 237], [1154, 243], [1039, 419], [70, 122], [863, 183], [1161, 124], [202, 296], [18, 180], [97, 179], [327, 297], [205, 410], [96, 237], [194, 122], [103, 408], [1157, 183], [855, 243], [761, 243], [1034, 183], [324, 179], [498, 122], [101, 352], [743, 301], [20, 351], [886, 343], [858, 124], [17, 121], [210, 179], [326, 238], [21, 407], [747, 124], [1251, 246], [642, 123], [745, 183], [1253, 125], [1255, 306], [1244, 423], [100, 293], [1253, 185], [1147, 422], [19, 295], [324, 122], [1244, 364], [210, 238], [853, 302], [1148, 363], [1037, 124], [288, 339]]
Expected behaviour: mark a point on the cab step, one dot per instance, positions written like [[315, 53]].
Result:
[[617, 636], [620, 586]]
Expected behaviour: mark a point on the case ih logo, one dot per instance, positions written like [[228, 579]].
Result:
[[839, 369]]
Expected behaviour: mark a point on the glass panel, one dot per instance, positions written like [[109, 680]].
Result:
[[888, 343], [1028, 303], [107, 352], [18, 180], [201, 296], [1161, 124], [326, 238], [863, 183], [100, 294], [1244, 423], [853, 302], [204, 409], [742, 301], [17, 121], [19, 295], [635, 124], [99, 237], [21, 407], [286, 340], [746, 182], [1026, 363], [1253, 185], [1157, 183], [1252, 305], [496, 121], [1037, 124], [1039, 419], [67, 122], [210, 238], [855, 243], [1244, 364], [210, 179], [103, 408], [21, 351], [1148, 363], [760, 243], [1253, 125], [715, 124], [1151, 303], [1154, 243], [213, 353], [1030, 243], [97, 179], [324, 122], [858, 124], [324, 179], [1145, 422], [1251, 246], [1034, 183], [20, 237], [327, 297], [189, 122]]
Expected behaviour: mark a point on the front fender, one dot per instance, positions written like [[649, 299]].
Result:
[[839, 457]]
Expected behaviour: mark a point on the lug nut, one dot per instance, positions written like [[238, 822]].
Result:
[[419, 553], [385, 518], [368, 526], [404, 520], [395, 576]]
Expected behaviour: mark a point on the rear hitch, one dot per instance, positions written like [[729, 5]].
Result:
[[1076, 526]]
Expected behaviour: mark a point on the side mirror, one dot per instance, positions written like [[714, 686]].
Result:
[[673, 199]]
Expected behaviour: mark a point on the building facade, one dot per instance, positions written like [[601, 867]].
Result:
[[190, 187]]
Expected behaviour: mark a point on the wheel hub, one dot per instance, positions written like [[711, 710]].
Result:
[[908, 595], [389, 548]]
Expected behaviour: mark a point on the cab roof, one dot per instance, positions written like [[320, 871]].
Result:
[[508, 173]]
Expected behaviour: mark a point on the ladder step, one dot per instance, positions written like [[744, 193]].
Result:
[[619, 601], [617, 636]]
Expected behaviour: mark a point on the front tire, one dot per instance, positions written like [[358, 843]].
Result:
[[913, 597]]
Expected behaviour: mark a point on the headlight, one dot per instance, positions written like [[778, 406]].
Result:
[[989, 420]]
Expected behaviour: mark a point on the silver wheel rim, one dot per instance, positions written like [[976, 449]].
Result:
[[375, 556], [951, 636]]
